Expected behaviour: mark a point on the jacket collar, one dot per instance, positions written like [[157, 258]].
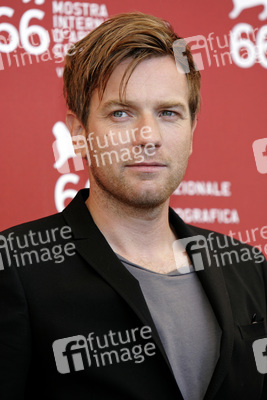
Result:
[[93, 247]]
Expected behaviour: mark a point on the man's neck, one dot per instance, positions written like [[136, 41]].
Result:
[[143, 236]]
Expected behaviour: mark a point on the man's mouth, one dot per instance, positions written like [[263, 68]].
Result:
[[146, 166]]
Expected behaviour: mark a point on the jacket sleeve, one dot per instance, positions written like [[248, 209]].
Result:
[[15, 343]]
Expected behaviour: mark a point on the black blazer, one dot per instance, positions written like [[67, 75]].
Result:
[[45, 298]]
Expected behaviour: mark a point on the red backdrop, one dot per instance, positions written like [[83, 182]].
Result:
[[225, 185]]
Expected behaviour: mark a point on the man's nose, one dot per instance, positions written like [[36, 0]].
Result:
[[148, 131]]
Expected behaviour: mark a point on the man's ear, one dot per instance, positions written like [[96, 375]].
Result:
[[194, 125], [78, 134]]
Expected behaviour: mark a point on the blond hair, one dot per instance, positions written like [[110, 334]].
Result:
[[91, 61]]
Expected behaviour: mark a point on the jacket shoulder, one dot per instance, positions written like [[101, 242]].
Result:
[[207, 233], [223, 244], [50, 222]]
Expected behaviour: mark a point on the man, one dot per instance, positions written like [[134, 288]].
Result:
[[101, 301]]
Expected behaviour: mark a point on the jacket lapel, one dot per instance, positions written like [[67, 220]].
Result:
[[212, 280], [95, 250]]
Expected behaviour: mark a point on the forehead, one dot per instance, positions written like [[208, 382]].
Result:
[[153, 80]]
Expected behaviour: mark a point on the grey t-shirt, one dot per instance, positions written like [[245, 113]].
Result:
[[186, 325]]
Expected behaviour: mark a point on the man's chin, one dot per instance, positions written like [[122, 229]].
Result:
[[146, 200]]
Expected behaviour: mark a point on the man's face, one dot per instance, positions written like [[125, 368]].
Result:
[[139, 149]]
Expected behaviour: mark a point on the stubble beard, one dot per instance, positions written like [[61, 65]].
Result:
[[120, 191]]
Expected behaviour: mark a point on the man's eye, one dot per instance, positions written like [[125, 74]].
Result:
[[119, 114], [168, 113]]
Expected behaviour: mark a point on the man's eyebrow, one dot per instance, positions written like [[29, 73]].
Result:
[[115, 103], [172, 104], [159, 104]]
